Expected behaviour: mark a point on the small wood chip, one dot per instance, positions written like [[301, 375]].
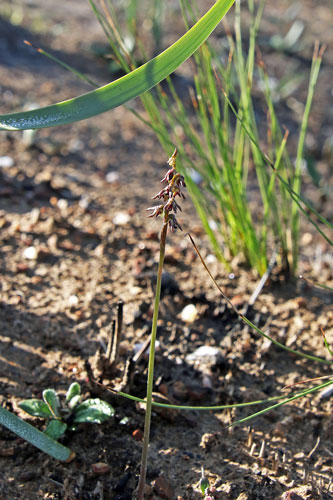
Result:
[[163, 488], [138, 435], [100, 468], [7, 452]]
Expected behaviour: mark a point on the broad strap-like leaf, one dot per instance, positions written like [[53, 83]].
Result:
[[126, 88], [34, 436]]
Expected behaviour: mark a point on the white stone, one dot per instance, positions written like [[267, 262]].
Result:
[[189, 313], [6, 161], [205, 354], [73, 300], [121, 218], [112, 177], [211, 259], [62, 204], [30, 253]]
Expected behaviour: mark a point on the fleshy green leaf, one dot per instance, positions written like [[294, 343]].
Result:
[[36, 408], [124, 421], [126, 88], [34, 436], [204, 484], [55, 429], [95, 411], [51, 399], [74, 390], [74, 401]]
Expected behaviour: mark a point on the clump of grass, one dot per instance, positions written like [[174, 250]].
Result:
[[227, 157], [219, 142]]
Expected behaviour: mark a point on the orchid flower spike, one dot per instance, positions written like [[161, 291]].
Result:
[[175, 184]]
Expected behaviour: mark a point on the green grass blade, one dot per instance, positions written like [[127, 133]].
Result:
[[286, 401], [327, 344], [75, 72], [298, 199], [245, 320], [199, 408], [278, 344], [295, 225], [315, 283], [125, 88]]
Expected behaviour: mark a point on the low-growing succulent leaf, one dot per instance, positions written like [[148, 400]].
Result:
[[74, 390], [51, 399], [74, 401], [125, 421], [94, 411], [55, 429], [36, 408], [204, 484]]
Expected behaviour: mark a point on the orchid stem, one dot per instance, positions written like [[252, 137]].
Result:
[[150, 380]]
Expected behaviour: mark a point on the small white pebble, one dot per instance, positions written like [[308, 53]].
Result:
[[30, 253], [327, 392], [306, 239], [75, 145], [84, 202], [212, 224], [62, 204], [205, 354], [6, 161], [121, 218], [112, 177], [73, 300], [189, 313], [211, 259], [299, 323], [34, 215]]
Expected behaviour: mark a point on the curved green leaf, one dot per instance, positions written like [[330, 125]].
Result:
[[51, 399], [36, 408], [74, 391], [55, 429], [122, 90], [94, 411]]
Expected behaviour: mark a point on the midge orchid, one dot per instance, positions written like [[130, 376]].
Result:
[[175, 183], [168, 194]]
